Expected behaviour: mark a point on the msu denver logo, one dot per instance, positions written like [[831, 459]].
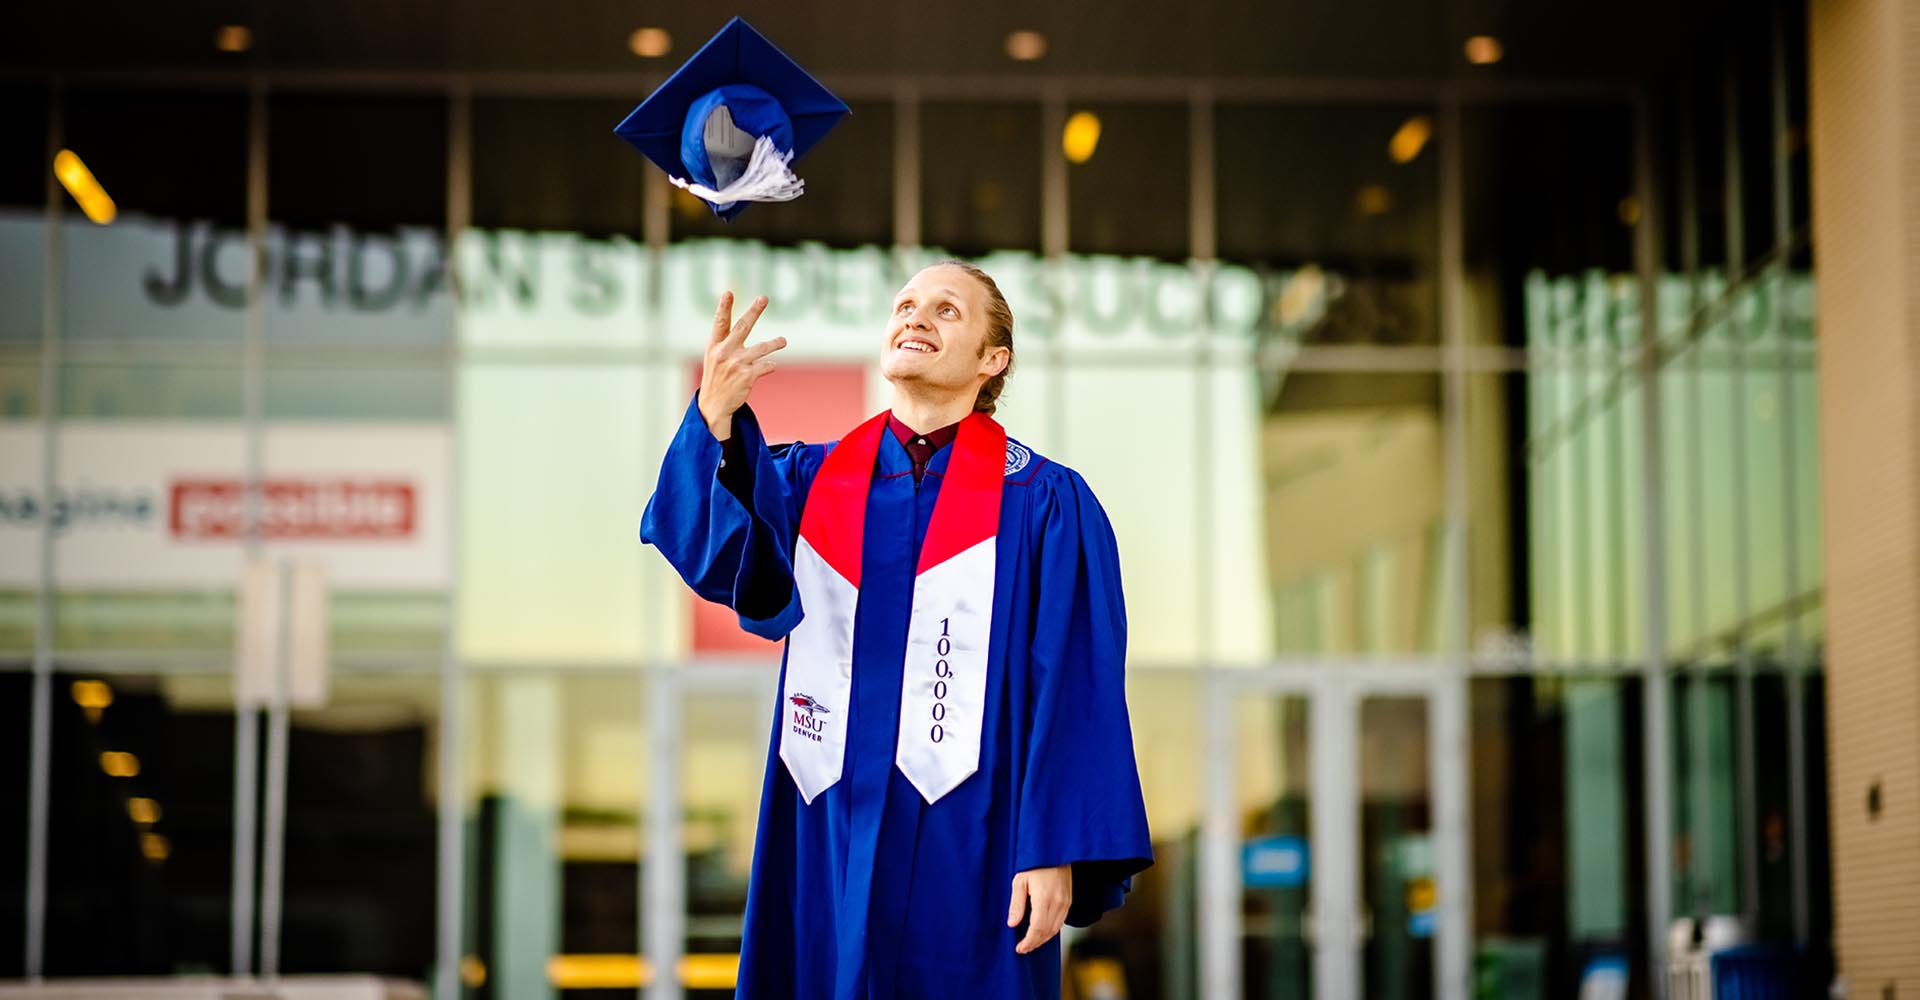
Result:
[[806, 715], [1017, 456]]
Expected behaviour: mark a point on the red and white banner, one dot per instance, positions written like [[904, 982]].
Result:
[[160, 504]]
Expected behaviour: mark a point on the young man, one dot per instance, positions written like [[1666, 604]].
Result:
[[951, 775]]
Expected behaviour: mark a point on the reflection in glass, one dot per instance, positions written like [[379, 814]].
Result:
[[980, 177], [1351, 194], [1354, 512], [140, 857], [1399, 903], [1545, 188], [554, 166], [1558, 878], [724, 758], [1274, 804], [362, 795], [1139, 160], [16, 734], [556, 768]]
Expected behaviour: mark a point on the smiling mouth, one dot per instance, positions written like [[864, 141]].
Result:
[[916, 346]]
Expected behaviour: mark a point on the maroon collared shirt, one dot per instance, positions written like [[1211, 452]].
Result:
[[921, 447]]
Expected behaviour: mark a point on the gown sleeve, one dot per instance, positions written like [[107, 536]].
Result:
[[1080, 800], [730, 532]]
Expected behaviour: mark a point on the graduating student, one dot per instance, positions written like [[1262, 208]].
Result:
[[951, 773]]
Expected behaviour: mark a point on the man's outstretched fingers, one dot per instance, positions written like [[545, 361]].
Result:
[[1018, 905], [746, 322], [723, 319], [765, 347]]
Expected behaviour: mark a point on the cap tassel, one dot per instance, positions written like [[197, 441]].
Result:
[[765, 179]]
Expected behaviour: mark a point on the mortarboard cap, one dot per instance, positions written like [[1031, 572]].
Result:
[[726, 124]]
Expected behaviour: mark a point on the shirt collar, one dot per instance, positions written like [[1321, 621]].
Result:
[[934, 440]]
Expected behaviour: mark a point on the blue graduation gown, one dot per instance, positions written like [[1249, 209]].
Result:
[[869, 892]]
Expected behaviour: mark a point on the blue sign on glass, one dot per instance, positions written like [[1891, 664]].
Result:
[[1274, 862]]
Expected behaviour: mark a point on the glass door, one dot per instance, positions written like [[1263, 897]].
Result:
[[1327, 860]]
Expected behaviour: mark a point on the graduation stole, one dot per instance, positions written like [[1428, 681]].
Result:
[[943, 693]]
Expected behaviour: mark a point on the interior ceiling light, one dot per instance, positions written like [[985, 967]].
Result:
[[1483, 50], [1026, 46], [1081, 136], [1410, 139], [86, 190], [233, 38], [650, 43]]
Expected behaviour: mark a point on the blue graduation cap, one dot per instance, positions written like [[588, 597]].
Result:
[[726, 125]]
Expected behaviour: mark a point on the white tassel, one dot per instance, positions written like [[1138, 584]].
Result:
[[765, 179]]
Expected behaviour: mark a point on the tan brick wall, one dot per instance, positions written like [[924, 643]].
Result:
[[1865, 110]]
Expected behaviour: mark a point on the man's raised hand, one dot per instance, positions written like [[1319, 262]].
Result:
[[732, 367]]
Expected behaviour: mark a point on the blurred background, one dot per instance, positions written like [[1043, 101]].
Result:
[[1448, 370]]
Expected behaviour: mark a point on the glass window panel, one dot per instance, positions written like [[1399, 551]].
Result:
[[1546, 189], [723, 764], [362, 820], [1397, 857], [1558, 866], [23, 240], [555, 165], [1556, 562], [533, 433], [555, 766], [403, 391], [171, 264], [158, 390], [980, 177], [849, 198], [16, 751], [1122, 414], [1275, 810], [139, 870], [393, 174], [1354, 513], [1352, 194], [1138, 159]]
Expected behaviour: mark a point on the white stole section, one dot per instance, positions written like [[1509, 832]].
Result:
[[943, 693], [817, 697]]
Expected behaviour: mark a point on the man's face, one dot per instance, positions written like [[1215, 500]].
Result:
[[937, 332]]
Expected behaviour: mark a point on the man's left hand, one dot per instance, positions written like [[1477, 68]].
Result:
[[1051, 892]]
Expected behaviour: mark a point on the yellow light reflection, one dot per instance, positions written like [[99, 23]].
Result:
[[155, 847], [1081, 136], [92, 694], [598, 972], [80, 182], [1483, 50], [1629, 211], [628, 972], [233, 38], [650, 43], [144, 811], [709, 972], [1026, 46], [473, 972], [119, 764], [1374, 199], [1411, 138]]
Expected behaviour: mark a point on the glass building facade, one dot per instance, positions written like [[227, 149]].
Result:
[[1460, 442]]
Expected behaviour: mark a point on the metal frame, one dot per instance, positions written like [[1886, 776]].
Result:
[[662, 888]]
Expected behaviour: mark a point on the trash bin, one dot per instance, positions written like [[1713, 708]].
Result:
[[1756, 972]]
